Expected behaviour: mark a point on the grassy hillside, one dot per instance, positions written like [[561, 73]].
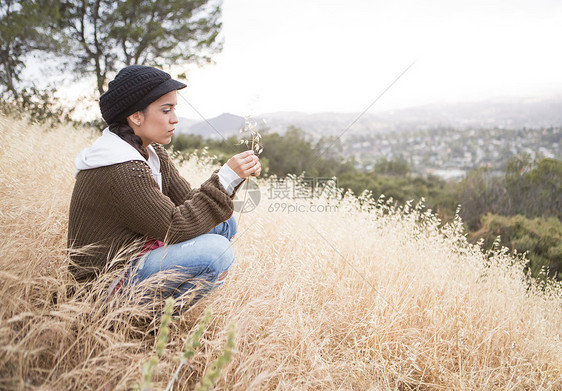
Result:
[[347, 299]]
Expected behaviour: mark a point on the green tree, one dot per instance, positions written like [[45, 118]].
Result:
[[26, 26], [187, 142], [479, 193], [290, 153], [394, 167], [535, 188], [104, 35], [330, 147]]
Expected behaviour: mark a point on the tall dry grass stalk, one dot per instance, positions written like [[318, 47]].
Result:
[[250, 125], [369, 297]]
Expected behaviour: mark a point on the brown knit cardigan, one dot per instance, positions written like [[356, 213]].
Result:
[[120, 205]]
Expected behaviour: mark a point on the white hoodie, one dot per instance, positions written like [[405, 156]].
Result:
[[111, 149]]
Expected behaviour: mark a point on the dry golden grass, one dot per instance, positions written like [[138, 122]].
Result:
[[346, 300]]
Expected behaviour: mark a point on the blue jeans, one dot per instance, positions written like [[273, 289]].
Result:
[[194, 265]]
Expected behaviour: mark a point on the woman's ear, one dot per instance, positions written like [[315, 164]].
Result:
[[136, 119]]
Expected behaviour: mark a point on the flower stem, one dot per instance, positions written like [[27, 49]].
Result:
[[247, 182]]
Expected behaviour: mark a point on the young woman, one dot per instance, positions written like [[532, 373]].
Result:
[[128, 192]]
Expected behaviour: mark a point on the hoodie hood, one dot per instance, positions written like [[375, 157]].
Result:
[[111, 149]]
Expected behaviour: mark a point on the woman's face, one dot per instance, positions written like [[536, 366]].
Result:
[[156, 124]]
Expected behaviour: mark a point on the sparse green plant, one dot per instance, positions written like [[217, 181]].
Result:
[[149, 367], [192, 344], [208, 381]]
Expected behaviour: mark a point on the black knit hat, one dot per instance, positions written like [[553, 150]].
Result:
[[133, 89]]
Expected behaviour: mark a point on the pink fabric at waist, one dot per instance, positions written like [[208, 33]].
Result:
[[149, 245]]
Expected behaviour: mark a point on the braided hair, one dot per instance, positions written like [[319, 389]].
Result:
[[121, 128]]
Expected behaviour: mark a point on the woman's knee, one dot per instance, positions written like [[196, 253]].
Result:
[[207, 256], [220, 255]]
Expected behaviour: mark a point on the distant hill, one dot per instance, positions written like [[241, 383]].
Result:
[[514, 113], [497, 113], [184, 124], [224, 125]]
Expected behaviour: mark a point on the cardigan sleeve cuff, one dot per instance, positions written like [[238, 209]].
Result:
[[229, 179]]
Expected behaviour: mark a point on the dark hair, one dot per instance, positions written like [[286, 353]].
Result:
[[121, 128]]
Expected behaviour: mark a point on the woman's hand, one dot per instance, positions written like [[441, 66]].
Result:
[[245, 164]]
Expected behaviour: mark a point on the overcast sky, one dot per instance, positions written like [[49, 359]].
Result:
[[316, 56]]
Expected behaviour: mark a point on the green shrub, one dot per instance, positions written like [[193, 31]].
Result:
[[540, 238]]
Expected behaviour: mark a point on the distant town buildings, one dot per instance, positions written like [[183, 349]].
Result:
[[450, 153]]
